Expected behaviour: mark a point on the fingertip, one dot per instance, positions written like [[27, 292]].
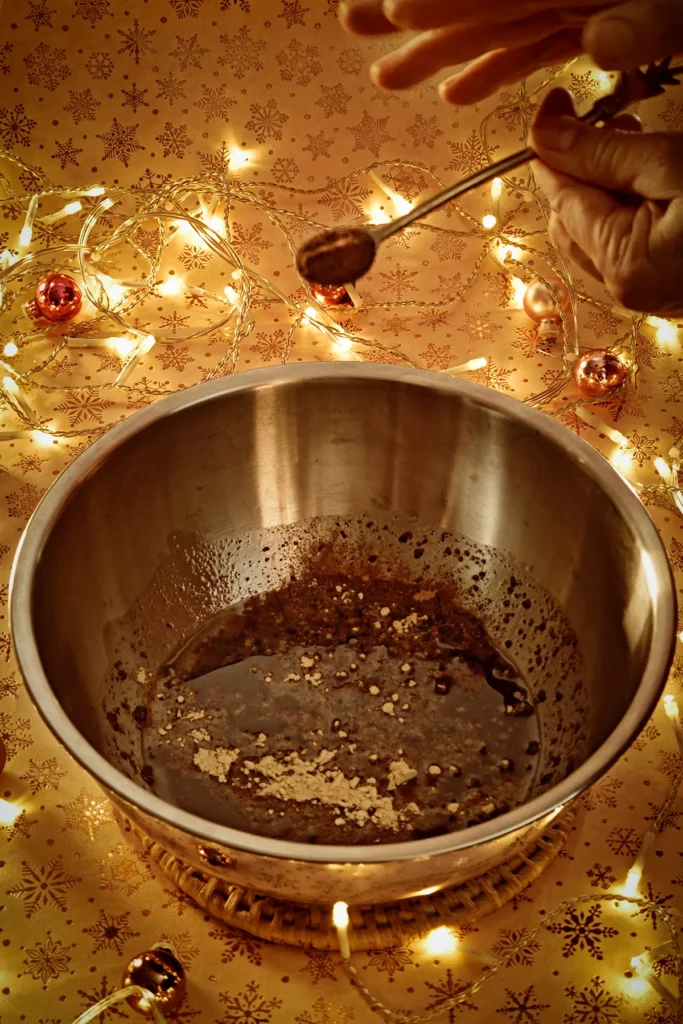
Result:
[[558, 103]]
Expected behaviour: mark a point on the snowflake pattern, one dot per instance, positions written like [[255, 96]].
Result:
[[593, 1004], [15, 126], [82, 105], [299, 63], [111, 931], [319, 965], [21, 503], [399, 280], [583, 930], [47, 960], [392, 960], [325, 1011], [46, 66], [293, 13], [187, 8], [345, 198], [174, 139], [134, 98], [238, 944], [189, 53], [601, 876], [105, 989], [175, 357], [317, 145], [242, 53], [437, 357], [248, 1007], [136, 42], [333, 100], [84, 407], [285, 170], [266, 121], [92, 10], [468, 156], [41, 14], [43, 885], [507, 947], [448, 246], [523, 1007], [215, 103], [120, 142], [424, 131], [443, 991], [67, 153], [370, 133], [270, 346], [42, 775], [100, 66], [85, 814], [9, 687], [250, 241]]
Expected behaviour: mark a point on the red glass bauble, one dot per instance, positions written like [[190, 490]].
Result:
[[160, 972], [599, 372], [58, 298], [331, 294]]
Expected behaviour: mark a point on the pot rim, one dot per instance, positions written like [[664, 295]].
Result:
[[655, 563]]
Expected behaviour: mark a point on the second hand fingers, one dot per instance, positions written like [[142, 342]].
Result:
[[502, 67], [431, 51], [365, 18]]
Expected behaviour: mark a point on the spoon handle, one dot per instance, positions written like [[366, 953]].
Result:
[[631, 87]]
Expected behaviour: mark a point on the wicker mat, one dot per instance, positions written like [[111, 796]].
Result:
[[372, 927]]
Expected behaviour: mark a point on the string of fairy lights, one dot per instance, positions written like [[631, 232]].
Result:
[[60, 274]]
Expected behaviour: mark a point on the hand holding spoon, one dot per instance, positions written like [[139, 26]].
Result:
[[344, 254]]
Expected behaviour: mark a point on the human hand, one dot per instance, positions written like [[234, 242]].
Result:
[[506, 40], [616, 200]]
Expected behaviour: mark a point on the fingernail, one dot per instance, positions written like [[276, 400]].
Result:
[[558, 133], [614, 39]]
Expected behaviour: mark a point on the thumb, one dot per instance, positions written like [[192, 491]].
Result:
[[620, 161], [635, 33]]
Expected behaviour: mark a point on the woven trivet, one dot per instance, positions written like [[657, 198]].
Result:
[[372, 927]]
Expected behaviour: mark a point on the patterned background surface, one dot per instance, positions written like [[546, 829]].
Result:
[[96, 92]]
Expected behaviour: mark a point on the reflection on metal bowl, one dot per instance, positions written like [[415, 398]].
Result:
[[144, 518]]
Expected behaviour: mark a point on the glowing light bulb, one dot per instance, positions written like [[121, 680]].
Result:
[[236, 275], [342, 343], [508, 252], [518, 292], [663, 469], [340, 919], [8, 812], [217, 224], [496, 188], [401, 204], [378, 215], [489, 221], [10, 385], [10, 349], [440, 941], [666, 333], [42, 437], [73, 207], [6, 259], [146, 344], [97, 190], [115, 293], [232, 296], [25, 236], [311, 313], [122, 346], [239, 158], [172, 286], [632, 883], [621, 460], [107, 203]]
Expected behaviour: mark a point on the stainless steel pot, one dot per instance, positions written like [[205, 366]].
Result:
[[279, 445]]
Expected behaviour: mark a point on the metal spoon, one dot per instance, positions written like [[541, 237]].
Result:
[[343, 254]]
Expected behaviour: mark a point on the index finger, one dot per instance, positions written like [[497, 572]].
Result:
[[425, 14], [365, 17]]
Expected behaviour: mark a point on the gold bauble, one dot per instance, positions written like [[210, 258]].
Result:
[[161, 973], [599, 372], [539, 302]]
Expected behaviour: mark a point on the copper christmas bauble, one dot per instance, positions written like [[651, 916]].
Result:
[[540, 303], [58, 298], [3, 755], [162, 974], [331, 294], [598, 372]]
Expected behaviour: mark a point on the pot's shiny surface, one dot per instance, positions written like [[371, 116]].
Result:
[[278, 446]]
